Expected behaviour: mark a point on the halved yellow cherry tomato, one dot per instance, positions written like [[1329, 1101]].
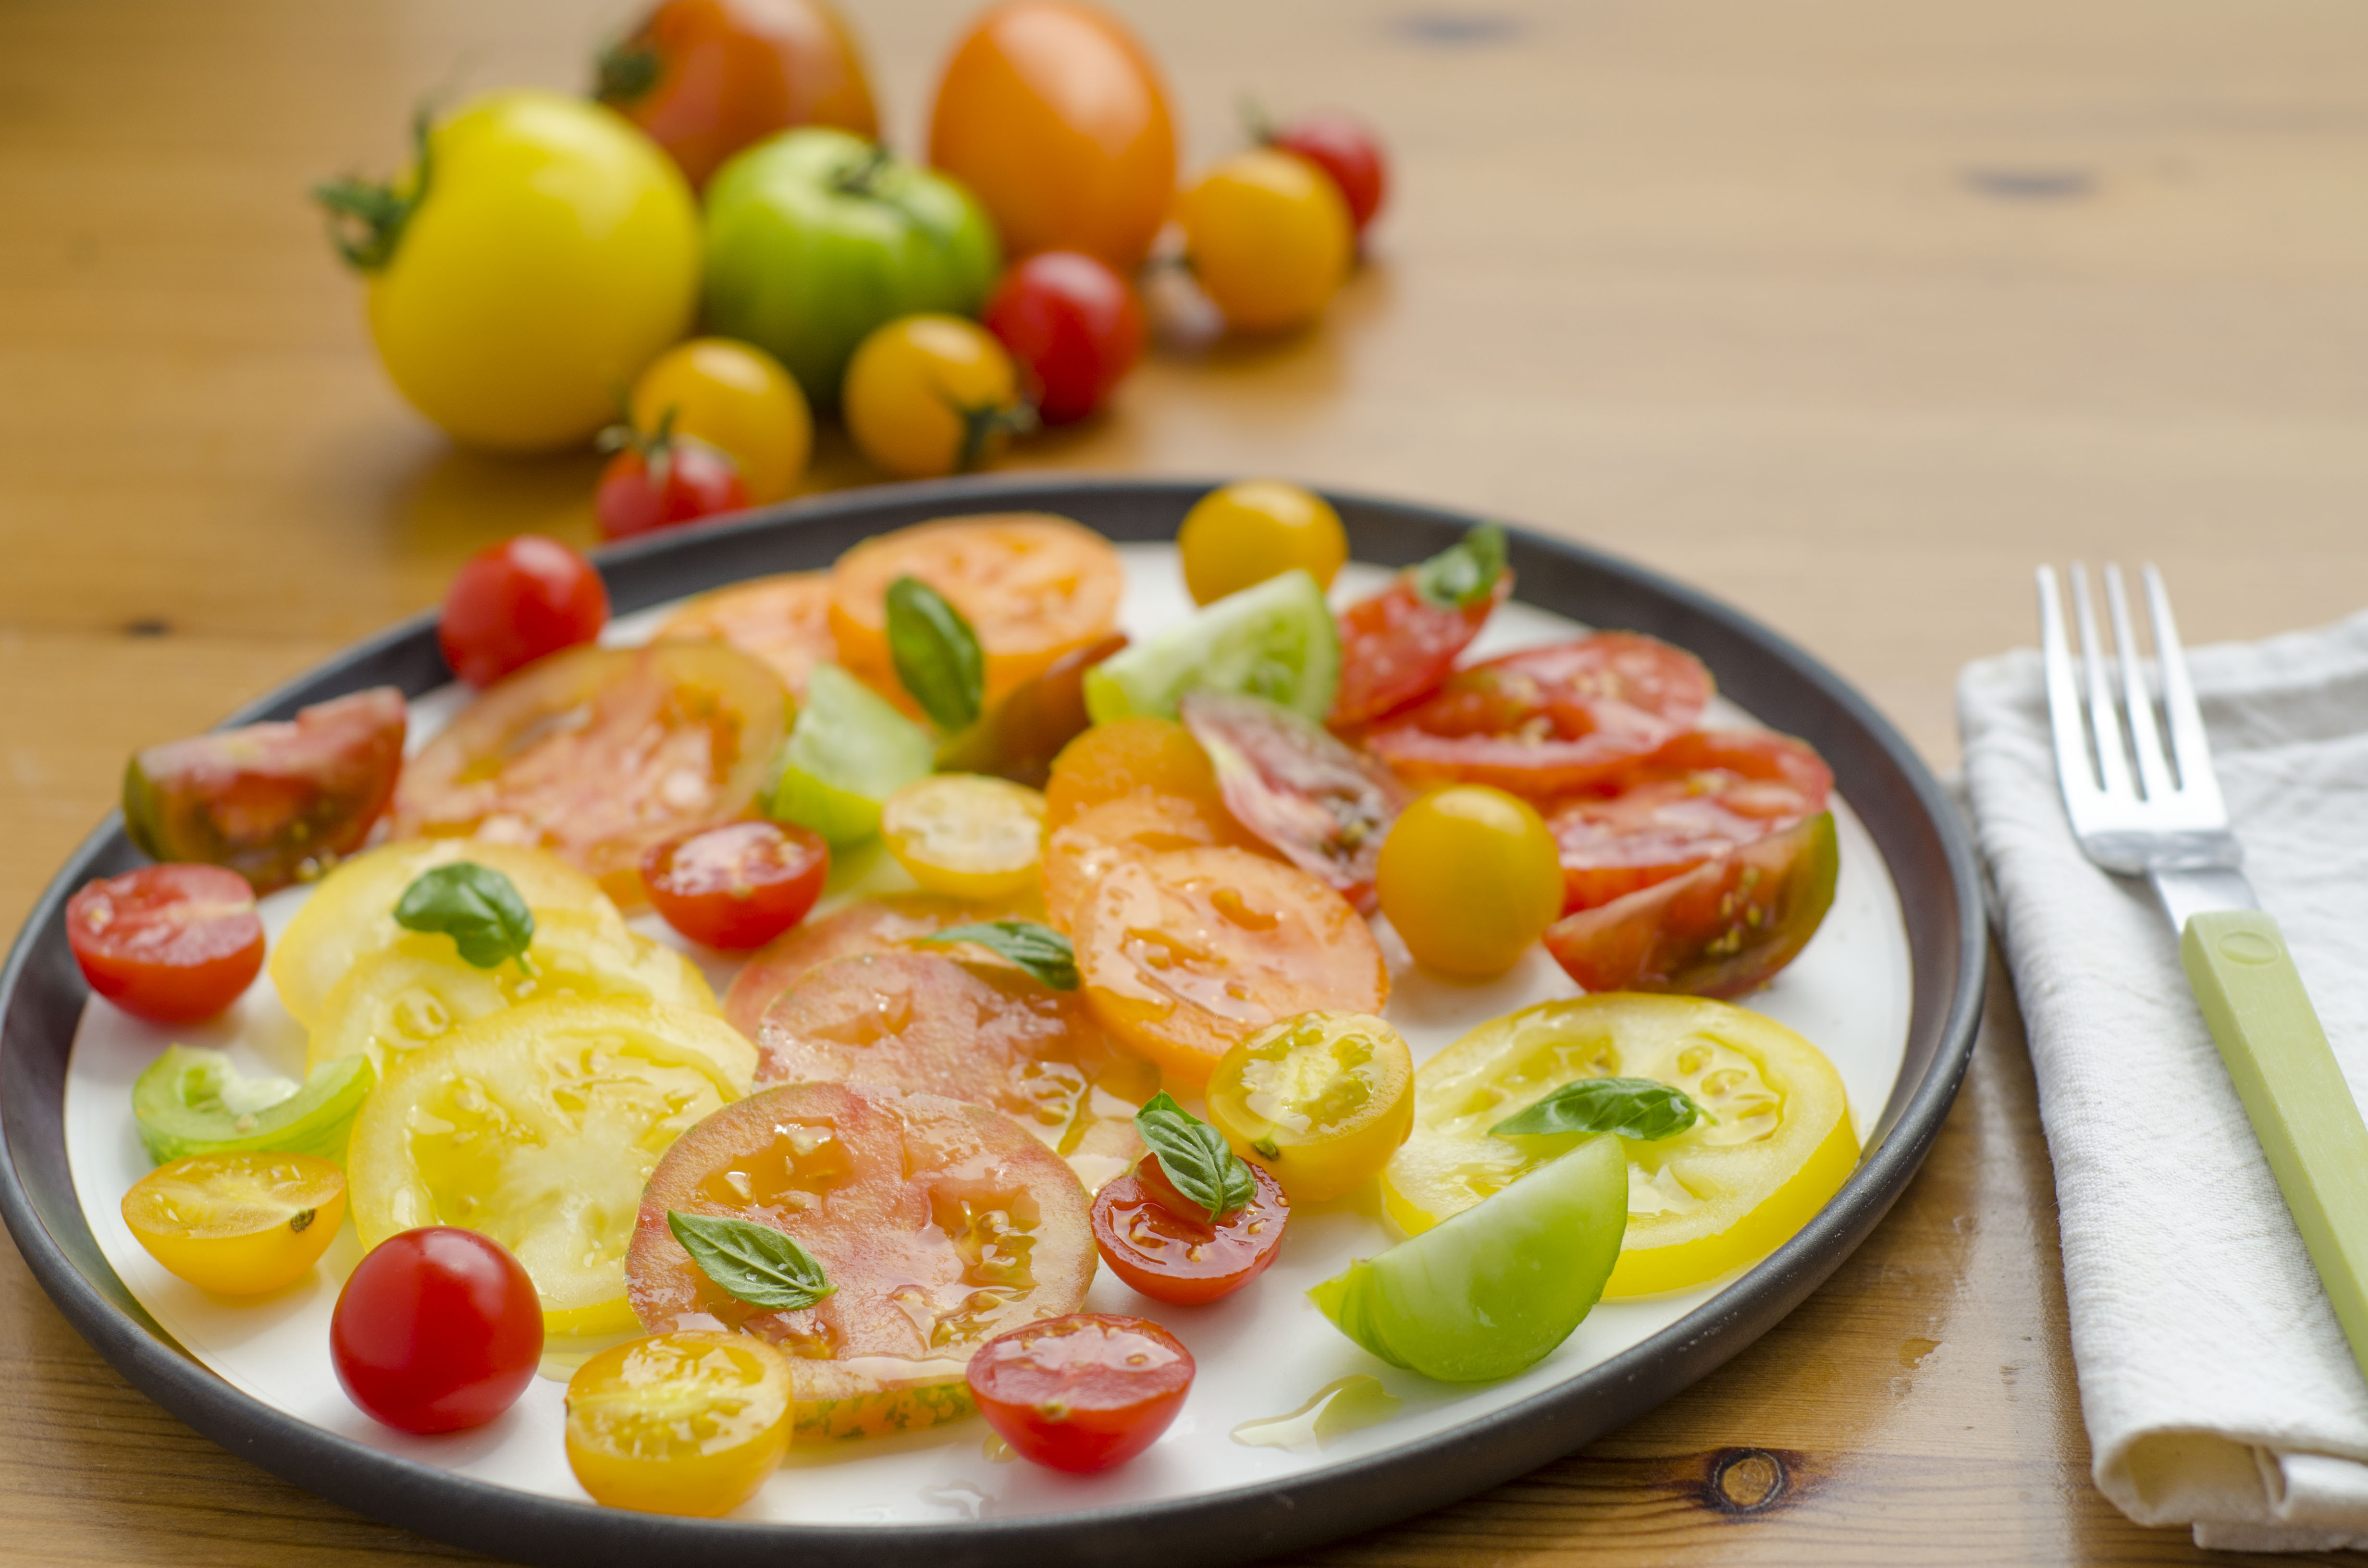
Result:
[[689, 1422], [1774, 1143], [1322, 1100], [1469, 878], [238, 1225], [966, 836], [1238, 537], [736, 398]]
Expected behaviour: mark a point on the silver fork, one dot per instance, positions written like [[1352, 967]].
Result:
[[2165, 820]]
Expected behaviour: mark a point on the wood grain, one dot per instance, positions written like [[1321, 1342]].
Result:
[[1848, 311]]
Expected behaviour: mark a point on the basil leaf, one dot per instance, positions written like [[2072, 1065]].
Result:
[[753, 1263], [1642, 1108], [1044, 953], [1195, 1157], [1465, 572], [477, 906], [936, 653]]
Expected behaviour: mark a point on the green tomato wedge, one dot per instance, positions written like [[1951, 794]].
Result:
[[1276, 640], [848, 752], [195, 1102], [1496, 1287]]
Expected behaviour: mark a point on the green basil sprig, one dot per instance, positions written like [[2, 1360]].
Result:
[[1465, 572], [1044, 953], [753, 1263], [477, 906], [1642, 1108], [936, 653], [1195, 1157]]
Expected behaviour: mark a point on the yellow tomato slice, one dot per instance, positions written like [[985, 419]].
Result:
[[238, 1225], [689, 1422], [1322, 1100], [1774, 1144], [966, 836], [538, 1126]]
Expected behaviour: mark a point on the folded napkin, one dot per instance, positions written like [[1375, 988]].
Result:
[[2217, 1388]]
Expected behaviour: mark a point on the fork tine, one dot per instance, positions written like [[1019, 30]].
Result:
[[2187, 742], [2072, 750], [2153, 767], [2104, 717]]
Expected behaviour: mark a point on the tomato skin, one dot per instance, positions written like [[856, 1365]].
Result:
[[1073, 326], [739, 885], [172, 944], [1238, 536], [737, 399], [930, 395], [1398, 647], [1469, 878], [1269, 238], [1344, 148], [514, 602], [437, 1329], [1083, 1393], [1148, 1233], [640, 493]]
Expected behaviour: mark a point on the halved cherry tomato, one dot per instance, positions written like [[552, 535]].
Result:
[[238, 1225], [1128, 756], [172, 944], [1346, 148], [684, 1423], [872, 925], [965, 835], [1080, 852], [1324, 806], [1550, 720], [783, 619], [661, 480], [1322, 1100], [1167, 1247], [1073, 324], [1082, 1393], [437, 1329], [514, 602], [1398, 647], [1185, 953], [1020, 735], [1238, 536], [1704, 793], [1468, 879], [739, 885]]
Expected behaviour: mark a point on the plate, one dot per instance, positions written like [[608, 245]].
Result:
[[1891, 987]]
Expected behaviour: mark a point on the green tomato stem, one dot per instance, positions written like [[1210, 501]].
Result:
[[367, 217]]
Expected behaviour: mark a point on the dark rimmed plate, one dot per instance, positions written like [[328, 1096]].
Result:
[[1926, 853]]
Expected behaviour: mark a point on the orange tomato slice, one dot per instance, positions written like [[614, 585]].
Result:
[[1080, 852], [782, 619], [1129, 756]]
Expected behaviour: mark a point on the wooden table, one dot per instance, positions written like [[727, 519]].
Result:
[[1848, 311]]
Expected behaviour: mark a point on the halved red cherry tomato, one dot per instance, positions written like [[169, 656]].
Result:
[[172, 944], [1398, 647], [1326, 806], [437, 1329], [660, 481], [1704, 793], [1165, 1245], [1346, 148], [739, 885], [1073, 324], [1083, 1393], [1550, 720], [512, 604]]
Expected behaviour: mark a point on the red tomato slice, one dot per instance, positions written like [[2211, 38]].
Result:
[[739, 885], [1704, 793], [872, 925], [1550, 720], [1326, 806], [1083, 1393], [1398, 647], [1165, 1245], [172, 944]]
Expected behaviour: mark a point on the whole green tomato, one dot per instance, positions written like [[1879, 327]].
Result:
[[814, 237]]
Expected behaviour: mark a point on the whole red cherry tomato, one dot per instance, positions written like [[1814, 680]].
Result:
[[172, 943], [1165, 1245], [739, 885], [1082, 1392], [1073, 324], [437, 1329], [512, 604], [1346, 148], [659, 481]]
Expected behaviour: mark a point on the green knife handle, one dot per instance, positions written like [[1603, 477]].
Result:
[[2301, 1109]]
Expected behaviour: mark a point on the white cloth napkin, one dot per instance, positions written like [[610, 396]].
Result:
[[2218, 1389]]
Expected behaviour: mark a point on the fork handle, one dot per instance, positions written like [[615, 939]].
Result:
[[2301, 1109]]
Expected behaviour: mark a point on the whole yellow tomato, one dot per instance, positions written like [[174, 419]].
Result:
[[547, 253], [1052, 113], [1238, 537], [1470, 877], [1268, 237], [930, 395], [736, 398]]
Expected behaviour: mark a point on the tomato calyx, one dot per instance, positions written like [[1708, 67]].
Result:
[[626, 71], [367, 217], [982, 423]]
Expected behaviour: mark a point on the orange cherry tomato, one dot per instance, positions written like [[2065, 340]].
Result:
[[1052, 113], [1167, 1247], [783, 619]]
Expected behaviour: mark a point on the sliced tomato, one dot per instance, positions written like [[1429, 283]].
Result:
[[1550, 720], [1326, 806], [1398, 646], [599, 754], [1721, 929], [1081, 850], [1704, 793], [1167, 1247], [172, 944], [871, 926], [276, 802], [1083, 1393], [739, 885], [938, 1224], [783, 619]]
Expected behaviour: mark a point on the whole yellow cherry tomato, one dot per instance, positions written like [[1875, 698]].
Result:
[[930, 394], [238, 1225], [689, 1422], [966, 836], [736, 398], [1268, 237], [1322, 1100], [1469, 876], [1239, 535]]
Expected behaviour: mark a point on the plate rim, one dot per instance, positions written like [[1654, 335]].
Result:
[[1229, 1524]]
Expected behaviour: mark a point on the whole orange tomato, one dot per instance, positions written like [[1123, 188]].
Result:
[[1052, 113], [707, 77]]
